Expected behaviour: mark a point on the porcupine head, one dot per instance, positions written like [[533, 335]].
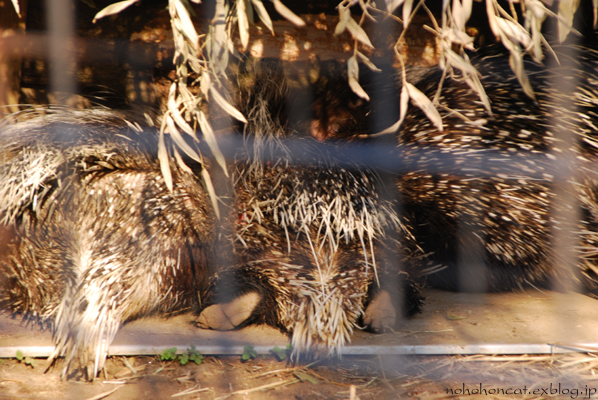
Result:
[[306, 230]]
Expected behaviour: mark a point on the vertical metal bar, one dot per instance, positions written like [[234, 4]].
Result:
[[11, 24], [61, 57], [566, 213]]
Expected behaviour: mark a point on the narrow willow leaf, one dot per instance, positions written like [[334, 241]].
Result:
[[176, 115], [288, 14], [164, 164], [471, 76], [226, 106], [219, 35], [458, 37], [357, 89], [180, 161], [467, 6], [353, 72], [445, 4], [208, 134], [149, 120], [205, 83], [516, 62], [260, 9], [243, 23], [456, 13], [491, 12], [537, 8], [421, 101], [457, 62], [407, 7], [344, 14], [249, 10], [112, 9], [232, 49], [461, 13], [392, 5], [186, 24], [367, 62], [513, 31], [188, 7], [178, 139], [404, 104], [535, 13], [358, 33], [567, 10], [403, 112], [15, 4], [474, 82], [207, 180], [187, 98]]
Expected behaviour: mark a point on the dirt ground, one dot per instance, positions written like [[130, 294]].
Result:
[[453, 320], [430, 377]]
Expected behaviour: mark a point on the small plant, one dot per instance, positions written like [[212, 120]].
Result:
[[281, 354], [168, 354], [192, 354], [248, 353], [28, 360]]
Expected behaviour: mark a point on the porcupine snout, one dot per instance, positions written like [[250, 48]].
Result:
[[316, 295], [309, 234], [327, 301]]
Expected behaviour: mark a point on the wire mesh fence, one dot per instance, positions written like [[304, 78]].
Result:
[[551, 184]]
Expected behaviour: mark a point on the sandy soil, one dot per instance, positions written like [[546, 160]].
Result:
[[448, 318], [216, 378]]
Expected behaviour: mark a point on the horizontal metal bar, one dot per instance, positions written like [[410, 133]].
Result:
[[470, 349]]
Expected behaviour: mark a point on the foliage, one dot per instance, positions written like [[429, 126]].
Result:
[[27, 360], [201, 60], [192, 354], [281, 354], [168, 354], [248, 353]]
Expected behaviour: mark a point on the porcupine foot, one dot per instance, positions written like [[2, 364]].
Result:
[[387, 307], [380, 314], [228, 316]]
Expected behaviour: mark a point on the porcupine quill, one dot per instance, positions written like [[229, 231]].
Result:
[[311, 234], [97, 238]]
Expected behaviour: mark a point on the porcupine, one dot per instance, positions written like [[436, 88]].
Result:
[[514, 215], [309, 232], [487, 191], [98, 239]]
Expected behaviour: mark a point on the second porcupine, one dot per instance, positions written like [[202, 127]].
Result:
[[522, 176], [98, 239], [487, 191], [310, 234]]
